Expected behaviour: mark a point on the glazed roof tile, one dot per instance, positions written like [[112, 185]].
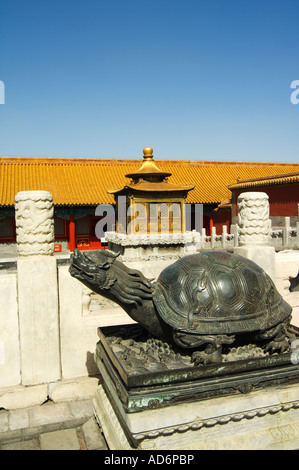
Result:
[[87, 181]]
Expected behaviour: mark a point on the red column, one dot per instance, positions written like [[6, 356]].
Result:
[[72, 233], [211, 224]]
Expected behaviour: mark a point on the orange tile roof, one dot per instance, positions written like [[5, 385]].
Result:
[[87, 181]]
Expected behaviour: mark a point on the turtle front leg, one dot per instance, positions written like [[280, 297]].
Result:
[[277, 339], [212, 344], [213, 351], [210, 355]]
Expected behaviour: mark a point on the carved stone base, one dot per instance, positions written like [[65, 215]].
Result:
[[152, 246], [224, 406], [262, 420]]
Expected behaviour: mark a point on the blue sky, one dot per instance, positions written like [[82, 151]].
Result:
[[194, 79]]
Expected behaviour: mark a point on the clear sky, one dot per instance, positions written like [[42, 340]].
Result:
[[194, 79]]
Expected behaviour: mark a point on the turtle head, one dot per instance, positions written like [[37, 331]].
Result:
[[93, 268], [102, 273]]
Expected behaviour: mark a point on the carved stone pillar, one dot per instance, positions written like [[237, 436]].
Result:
[[34, 223], [253, 218], [254, 230], [37, 288]]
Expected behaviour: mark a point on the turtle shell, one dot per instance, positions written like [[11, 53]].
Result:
[[218, 293]]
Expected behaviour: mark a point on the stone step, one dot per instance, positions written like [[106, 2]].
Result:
[[51, 426]]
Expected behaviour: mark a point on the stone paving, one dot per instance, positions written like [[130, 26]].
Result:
[[67, 425]]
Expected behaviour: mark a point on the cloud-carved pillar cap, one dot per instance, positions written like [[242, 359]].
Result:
[[34, 223]]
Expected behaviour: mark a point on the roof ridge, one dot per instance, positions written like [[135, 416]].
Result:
[[52, 160], [123, 161], [270, 177], [291, 177]]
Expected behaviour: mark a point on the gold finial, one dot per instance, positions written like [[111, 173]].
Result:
[[148, 152], [148, 168]]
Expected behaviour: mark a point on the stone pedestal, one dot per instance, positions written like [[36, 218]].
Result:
[[239, 405], [254, 227], [38, 317], [9, 334], [37, 288], [264, 256], [264, 420]]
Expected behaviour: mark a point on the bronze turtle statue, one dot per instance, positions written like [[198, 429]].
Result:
[[201, 302]]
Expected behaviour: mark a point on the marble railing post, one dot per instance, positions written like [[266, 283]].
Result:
[[254, 230], [37, 288]]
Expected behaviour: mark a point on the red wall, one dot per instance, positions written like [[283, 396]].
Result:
[[283, 200], [220, 218]]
